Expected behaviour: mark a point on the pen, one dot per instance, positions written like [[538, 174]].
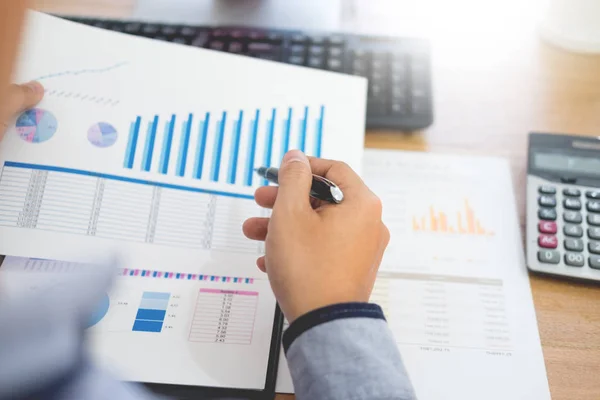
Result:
[[322, 188]]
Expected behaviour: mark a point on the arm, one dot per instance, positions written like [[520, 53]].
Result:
[[322, 262]]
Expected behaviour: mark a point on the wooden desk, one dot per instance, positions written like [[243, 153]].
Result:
[[492, 87]]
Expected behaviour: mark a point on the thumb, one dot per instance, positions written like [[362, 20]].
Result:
[[295, 180], [23, 97]]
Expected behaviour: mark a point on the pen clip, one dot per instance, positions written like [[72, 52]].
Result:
[[324, 187]]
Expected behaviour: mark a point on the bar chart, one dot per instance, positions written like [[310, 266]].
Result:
[[151, 312], [224, 146], [466, 222]]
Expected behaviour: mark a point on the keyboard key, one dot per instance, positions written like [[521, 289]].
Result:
[[168, 30], [594, 233], [547, 201], [336, 40], [574, 259], [594, 247], [299, 39], [316, 51], [334, 64], [571, 192], [548, 241], [574, 244], [320, 40], [549, 257], [133, 27], [150, 29], [594, 262], [188, 31], [547, 189], [335, 52], [399, 108], [573, 217], [572, 204], [298, 50], [274, 37], [216, 45], [593, 194], [235, 47], [180, 40], [593, 219], [315, 62], [573, 230], [296, 60], [593, 206], [261, 47]]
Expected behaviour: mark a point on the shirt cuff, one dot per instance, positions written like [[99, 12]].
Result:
[[328, 314]]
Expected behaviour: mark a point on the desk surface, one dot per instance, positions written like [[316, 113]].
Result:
[[491, 88]]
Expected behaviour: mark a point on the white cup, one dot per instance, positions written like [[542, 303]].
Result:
[[573, 25]]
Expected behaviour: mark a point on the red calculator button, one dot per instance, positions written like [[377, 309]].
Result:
[[547, 227], [548, 241]]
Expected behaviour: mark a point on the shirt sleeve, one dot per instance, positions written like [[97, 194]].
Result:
[[346, 351]]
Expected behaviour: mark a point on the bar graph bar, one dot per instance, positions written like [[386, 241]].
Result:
[[225, 149], [132, 143], [167, 143], [285, 144], [151, 312], [319, 135], [252, 148], [186, 129], [201, 147], [467, 222], [235, 148], [149, 147], [218, 148], [303, 126]]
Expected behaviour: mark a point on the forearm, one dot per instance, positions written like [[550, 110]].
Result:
[[347, 352]]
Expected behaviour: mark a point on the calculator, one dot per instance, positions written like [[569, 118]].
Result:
[[563, 205]]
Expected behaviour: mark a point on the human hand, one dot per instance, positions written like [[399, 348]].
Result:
[[19, 99], [318, 254]]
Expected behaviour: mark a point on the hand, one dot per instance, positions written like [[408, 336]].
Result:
[[20, 98], [324, 255]]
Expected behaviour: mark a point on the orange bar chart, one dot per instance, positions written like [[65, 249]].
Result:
[[467, 222]]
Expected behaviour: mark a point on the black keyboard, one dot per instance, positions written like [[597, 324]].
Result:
[[398, 69]]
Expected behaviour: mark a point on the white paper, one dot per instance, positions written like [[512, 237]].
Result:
[[456, 294], [131, 197], [185, 330], [147, 149]]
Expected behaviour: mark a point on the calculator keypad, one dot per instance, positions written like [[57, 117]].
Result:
[[568, 227]]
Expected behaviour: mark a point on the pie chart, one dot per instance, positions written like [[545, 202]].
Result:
[[102, 134], [36, 125], [100, 311]]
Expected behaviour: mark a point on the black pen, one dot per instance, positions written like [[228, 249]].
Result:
[[321, 189]]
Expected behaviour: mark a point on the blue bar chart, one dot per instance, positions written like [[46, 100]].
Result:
[[151, 312], [222, 146]]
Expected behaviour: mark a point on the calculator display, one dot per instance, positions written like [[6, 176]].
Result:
[[567, 163]]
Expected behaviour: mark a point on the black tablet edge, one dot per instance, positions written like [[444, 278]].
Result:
[[185, 392]]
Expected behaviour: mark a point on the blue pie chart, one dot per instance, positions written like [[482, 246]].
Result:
[[100, 311]]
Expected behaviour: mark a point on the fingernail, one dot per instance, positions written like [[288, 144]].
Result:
[[35, 86], [295, 155]]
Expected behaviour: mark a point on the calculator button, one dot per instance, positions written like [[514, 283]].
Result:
[[547, 214], [549, 257], [572, 192], [572, 204], [593, 194], [548, 241], [594, 247], [547, 227], [574, 259], [593, 219], [572, 216], [572, 230], [547, 189], [547, 201], [594, 233], [593, 206], [574, 244], [594, 262]]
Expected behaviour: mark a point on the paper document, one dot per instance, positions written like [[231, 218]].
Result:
[[453, 282], [148, 149]]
